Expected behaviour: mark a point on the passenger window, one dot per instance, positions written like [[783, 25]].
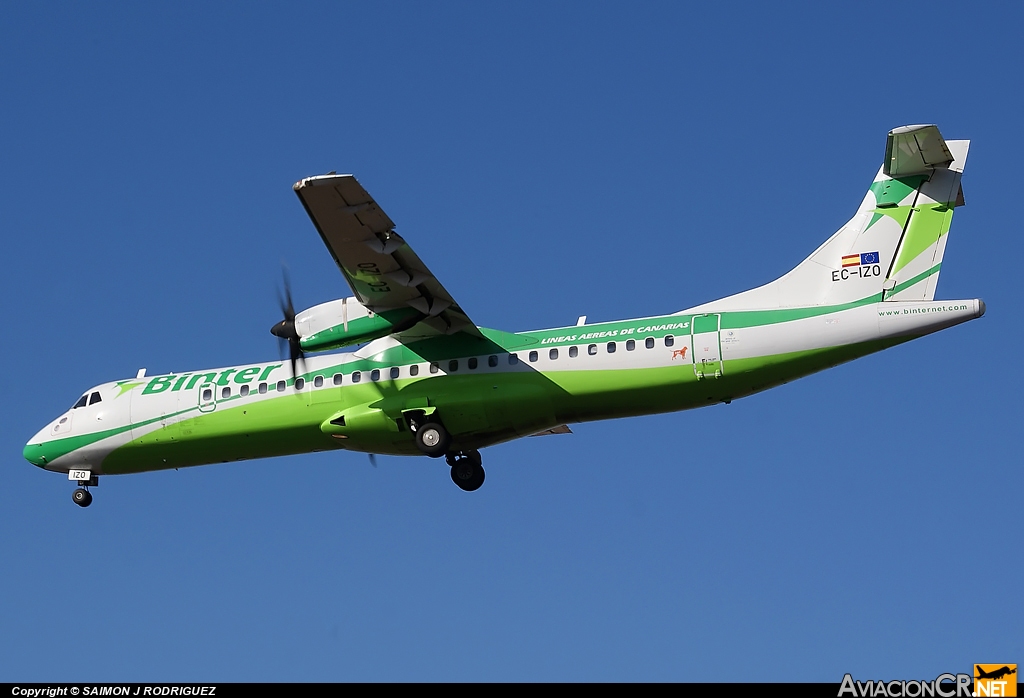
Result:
[[669, 340], [244, 390], [611, 347], [434, 368], [281, 385], [472, 364], [414, 370], [225, 392], [453, 365], [513, 359], [394, 372], [592, 350], [94, 398], [82, 401], [649, 342], [263, 388], [318, 382], [630, 345], [375, 374], [207, 394], [492, 360], [356, 376], [574, 352], [553, 354], [300, 383], [337, 379], [533, 356]]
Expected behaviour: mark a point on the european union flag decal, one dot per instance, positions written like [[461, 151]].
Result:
[[869, 258]]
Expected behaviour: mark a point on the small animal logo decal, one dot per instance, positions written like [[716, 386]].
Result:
[[679, 353]]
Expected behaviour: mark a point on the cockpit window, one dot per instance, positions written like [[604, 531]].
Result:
[[82, 402], [94, 398]]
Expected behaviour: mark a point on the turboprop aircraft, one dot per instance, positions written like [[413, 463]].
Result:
[[427, 380]]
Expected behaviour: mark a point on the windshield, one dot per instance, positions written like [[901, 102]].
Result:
[[87, 399]]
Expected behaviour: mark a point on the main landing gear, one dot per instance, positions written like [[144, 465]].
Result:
[[435, 441], [467, 471]]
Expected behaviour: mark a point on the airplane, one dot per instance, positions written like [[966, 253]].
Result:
[[995, 674], [421, 378]]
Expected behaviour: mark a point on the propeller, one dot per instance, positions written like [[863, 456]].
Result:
[[285, 330]]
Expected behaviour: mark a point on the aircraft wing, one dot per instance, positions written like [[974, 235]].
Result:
[[383, 271]]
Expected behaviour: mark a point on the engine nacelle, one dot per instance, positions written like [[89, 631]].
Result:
[[346, 321]]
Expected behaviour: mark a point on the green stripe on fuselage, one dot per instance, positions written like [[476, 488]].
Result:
[[290, 423]]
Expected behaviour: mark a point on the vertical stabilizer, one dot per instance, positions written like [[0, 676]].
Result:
[[892, 247]]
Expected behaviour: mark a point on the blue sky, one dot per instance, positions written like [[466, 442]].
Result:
[[546, 161]]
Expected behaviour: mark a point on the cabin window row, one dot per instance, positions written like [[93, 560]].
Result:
[[395, 372], [610, 348]]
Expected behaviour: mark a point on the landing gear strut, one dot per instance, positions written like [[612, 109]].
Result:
[[467, 470], [85, 479]]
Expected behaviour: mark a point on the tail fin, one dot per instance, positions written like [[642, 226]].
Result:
[[892, 248]]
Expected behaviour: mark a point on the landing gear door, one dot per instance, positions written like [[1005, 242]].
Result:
[[707, 345], [207, 397]]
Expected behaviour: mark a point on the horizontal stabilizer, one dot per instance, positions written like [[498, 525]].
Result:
[[913, 150]]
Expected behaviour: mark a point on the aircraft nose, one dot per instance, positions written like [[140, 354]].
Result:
[[35, 449], [34, 454]]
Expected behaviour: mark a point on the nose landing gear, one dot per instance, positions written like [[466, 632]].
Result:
[[81, 497], [85, 479], [467, 469]]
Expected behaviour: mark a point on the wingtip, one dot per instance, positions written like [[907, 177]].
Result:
[[319, 179]]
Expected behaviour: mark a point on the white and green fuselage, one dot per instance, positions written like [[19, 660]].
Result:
[[577, 374], [869, 287]]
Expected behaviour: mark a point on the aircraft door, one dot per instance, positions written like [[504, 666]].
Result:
[[707, 345], [207, 397]]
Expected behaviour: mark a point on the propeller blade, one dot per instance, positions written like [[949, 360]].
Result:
[[285, 330], [296, 355], [373, 459]]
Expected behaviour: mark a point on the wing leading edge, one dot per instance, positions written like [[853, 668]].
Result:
[[380, 267]]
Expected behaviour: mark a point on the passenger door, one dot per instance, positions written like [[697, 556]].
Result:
[[707, 345]]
